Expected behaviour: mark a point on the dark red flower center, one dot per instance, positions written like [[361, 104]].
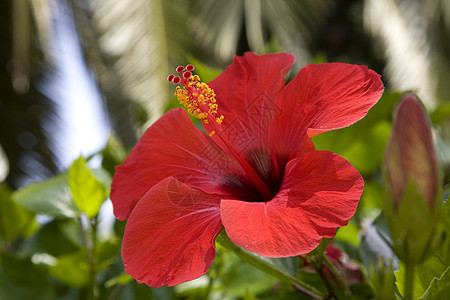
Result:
[[242, 188]]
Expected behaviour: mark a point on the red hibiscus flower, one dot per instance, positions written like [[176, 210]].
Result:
[[257, 173]]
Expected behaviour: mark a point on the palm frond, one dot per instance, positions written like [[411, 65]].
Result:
[[414, 58], [130, 44], [24, 108], [291, 22], [219, 25]]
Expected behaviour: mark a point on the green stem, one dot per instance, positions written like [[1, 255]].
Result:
[[317, 262], [90, 259], [409, 280], [337, 275], [265, 266], [116, 292]]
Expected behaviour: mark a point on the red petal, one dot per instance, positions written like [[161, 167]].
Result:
[[169, 237], [324, 97], [319, 193], [245, 93], [172, 146]]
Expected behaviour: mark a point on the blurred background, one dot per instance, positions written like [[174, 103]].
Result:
[[72, 71]]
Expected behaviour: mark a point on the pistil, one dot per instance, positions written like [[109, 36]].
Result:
[[199, 100]]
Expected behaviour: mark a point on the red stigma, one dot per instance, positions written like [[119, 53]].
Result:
[[185, 74], [184, 77]]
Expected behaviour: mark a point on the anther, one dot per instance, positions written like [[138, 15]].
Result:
[[196, 96]]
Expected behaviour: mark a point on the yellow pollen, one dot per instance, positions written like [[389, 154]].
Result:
[[199, 100], [212, 133], [219, 120]]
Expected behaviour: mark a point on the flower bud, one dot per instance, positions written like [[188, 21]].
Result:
[[410, 152], [412, 183]]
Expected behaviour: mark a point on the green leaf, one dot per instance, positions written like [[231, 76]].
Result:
[[363, 143], [426, 272], [439, 287], [446, 215], [382, 279], [105, 252], [349, 234], [144, 292], [238, 278], [276, 267], [440, 114], [371, 201], [400, 277], [87, 191], [115, 148], [50, 239], [414, 225], [113, 154], [14, 219], [72, 269], [228, 275], [72, 231], [121, 279], [50, 197], [432, 268], [21, 279], [249, 296], [104, 177]]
